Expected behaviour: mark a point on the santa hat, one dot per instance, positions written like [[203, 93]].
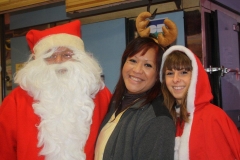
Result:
[[66, 35]]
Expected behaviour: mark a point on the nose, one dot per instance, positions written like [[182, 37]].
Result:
[[137, 68], [59, 58], [176, 78]]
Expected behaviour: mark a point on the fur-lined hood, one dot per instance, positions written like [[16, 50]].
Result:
[[199, 80]]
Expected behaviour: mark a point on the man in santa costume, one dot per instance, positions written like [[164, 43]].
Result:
[[56, 111]]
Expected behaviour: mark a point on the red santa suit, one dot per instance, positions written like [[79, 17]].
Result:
[[18, 131], [27, 128], [210, 133]]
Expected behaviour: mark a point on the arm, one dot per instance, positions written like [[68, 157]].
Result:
[[155, 140], [18, 131], [8, 129], [101, 101]]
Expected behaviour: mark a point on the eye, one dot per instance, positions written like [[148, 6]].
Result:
[[148, 65], [53, 56], [169, 73], [184, 72], [67, 55], [132, 60]]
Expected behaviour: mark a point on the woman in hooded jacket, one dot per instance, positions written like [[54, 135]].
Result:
[[204, 131]]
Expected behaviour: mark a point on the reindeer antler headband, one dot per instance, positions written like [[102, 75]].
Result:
[[169, 33]]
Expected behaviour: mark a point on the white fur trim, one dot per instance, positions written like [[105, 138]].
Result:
[[176, 148], [56, 40]]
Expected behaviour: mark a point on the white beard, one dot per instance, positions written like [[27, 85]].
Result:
[[63, 100]]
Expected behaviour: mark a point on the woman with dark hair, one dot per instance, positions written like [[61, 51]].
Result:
[[204, 131], [138, 126]]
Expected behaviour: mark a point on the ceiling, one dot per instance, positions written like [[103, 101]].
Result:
[[113, 7]]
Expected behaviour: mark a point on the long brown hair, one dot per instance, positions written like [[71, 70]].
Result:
[[134, 47], [176, 60]]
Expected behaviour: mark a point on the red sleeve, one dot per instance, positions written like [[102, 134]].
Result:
[[101, 101], [8, 144], [18, 131]]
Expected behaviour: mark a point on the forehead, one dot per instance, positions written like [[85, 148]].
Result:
[[62, 48], [59, 49], [150, 54], [178, 63]]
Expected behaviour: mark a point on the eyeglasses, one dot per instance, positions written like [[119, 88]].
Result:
[[60, 56], [65, 56]]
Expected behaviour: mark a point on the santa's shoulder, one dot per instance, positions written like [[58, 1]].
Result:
[[19, 94]]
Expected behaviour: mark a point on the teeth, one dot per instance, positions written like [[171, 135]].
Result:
[[178, 87], [135, 79]]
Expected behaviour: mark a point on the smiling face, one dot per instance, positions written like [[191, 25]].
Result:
[[176, 76], [139, 72], [178, 82]]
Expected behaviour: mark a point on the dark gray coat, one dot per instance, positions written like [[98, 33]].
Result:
[[146, 133]]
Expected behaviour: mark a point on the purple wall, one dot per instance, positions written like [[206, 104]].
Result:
[[232, 4]]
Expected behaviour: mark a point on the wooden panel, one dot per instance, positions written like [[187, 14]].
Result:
[[4, 1], [7, 6], [76, 5]]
